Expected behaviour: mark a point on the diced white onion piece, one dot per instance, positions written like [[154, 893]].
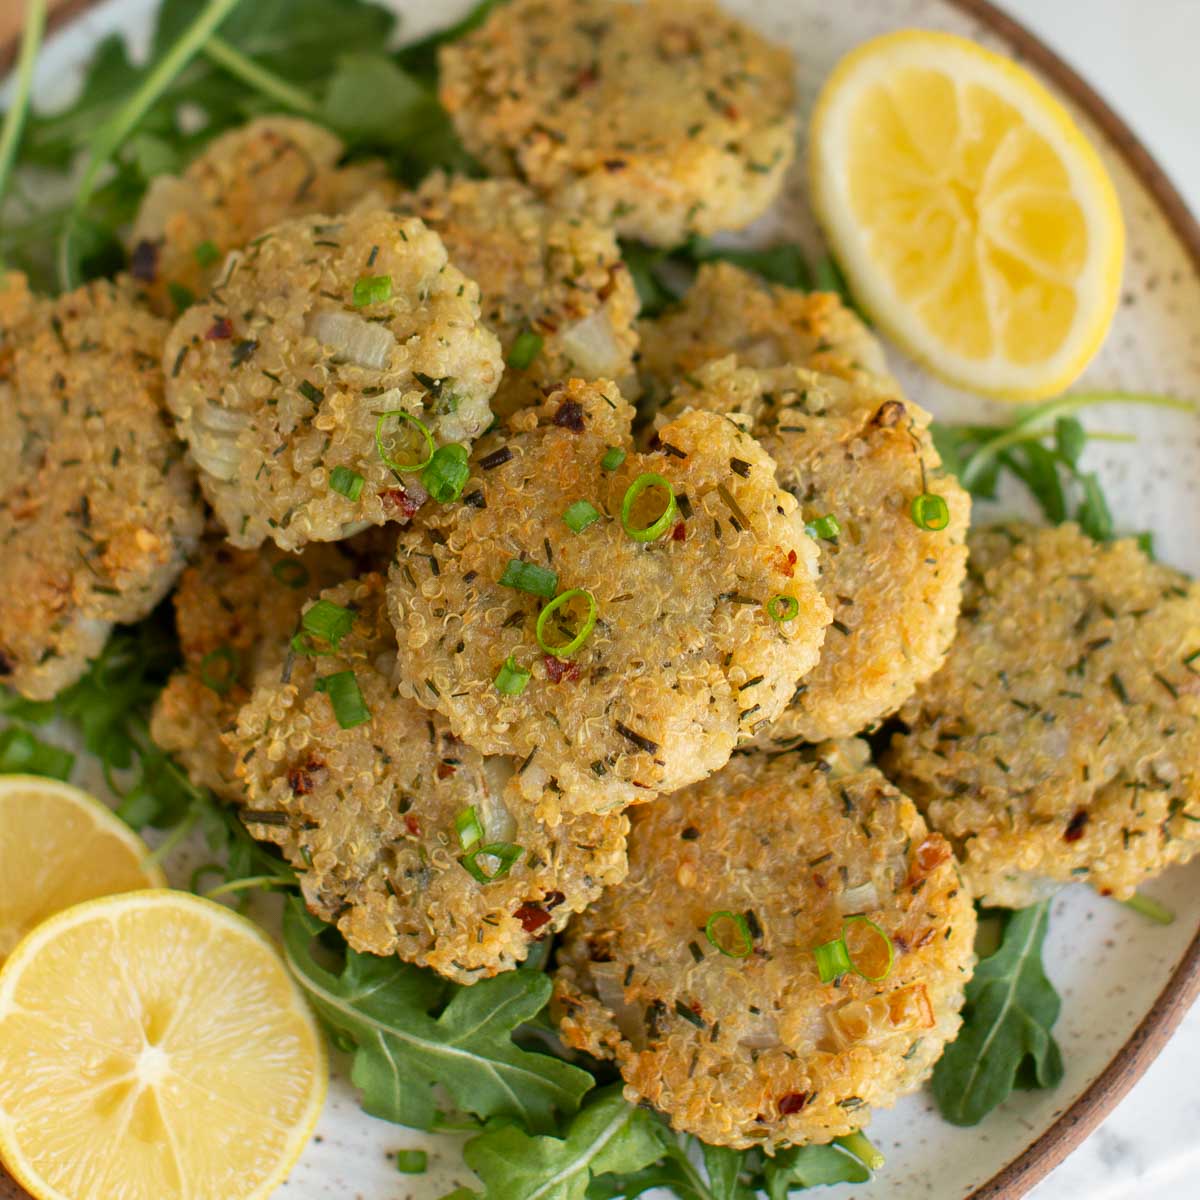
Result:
[[352, 338], [592, 345], [610, 989], [860, 899]]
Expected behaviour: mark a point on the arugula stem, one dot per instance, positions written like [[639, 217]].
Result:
[[1151, 909], [251, 881], [1049, 412], [679, 1153], [856, 1143], [172, 840], [112, 134], [258, 77], [18, 109]]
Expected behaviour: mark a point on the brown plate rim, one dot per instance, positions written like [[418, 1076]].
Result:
[[1102, 1095]]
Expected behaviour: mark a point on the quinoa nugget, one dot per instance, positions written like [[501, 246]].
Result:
[[731, 311], [281, 376], [665, 118], [98, 508], [734, 1036], [245, 181], [235, 611], [1061, 740], [543, 273], [684, 658], [370, 816], [859, 452]]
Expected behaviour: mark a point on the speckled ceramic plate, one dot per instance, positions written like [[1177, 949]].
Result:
[[1124, 983]]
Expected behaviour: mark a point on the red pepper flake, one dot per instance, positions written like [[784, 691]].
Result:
[[791, 558], [570, 416], [793, 1102], [558, 669], [221, 330], [584, 79], [412, 824], [400, 500], [445, 770], [301, 779], [731, 112], [532, 917], [553, 899], [679, 533], [1075, 828]]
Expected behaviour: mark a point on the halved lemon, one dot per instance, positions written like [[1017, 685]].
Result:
[[58, 846], [153, 1047], [974, 220]]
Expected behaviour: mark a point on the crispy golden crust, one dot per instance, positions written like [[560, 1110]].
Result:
[[755, 1050], [1061, 739], [684, 659], [666, 118], [235, 611], [539, 269], [246, 180], [731, 311], [370, 816], [98, 509], [858, 450], [271, 397]]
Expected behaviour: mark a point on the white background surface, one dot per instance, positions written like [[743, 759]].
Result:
[[1141, 55]]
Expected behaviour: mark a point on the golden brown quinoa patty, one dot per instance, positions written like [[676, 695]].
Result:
[[541, 271], [244, 181], [280, 376], [684, 659], [235, 611], [98, 509], [857, 450], [755, 1050], [1060, 741], [367, 815], [666, 118], [728, 310]]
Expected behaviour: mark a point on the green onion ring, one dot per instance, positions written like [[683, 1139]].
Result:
[[740, 924], [402, 468], [290, 573], [219, 683], [507, 852], [891, 949], [656, 529], [585, 630], [930, 511], [783, 608], [833, 960]]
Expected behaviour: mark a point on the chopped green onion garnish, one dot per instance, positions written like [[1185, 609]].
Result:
[[510, 679], [23, 754], [447, 473], [372, 289], [206, 254], [328, 621], [1159, 913], [585, 630], [529, 577], [856, 1143], [290, 573], [346, 482], [411, 1162], [525, 349], [219, 669], [930, 511], [660, 525], [346, 698], [741, 928], [826, 527], [614, 456], [468, 827], [580, 515], [421, 427], [182, 297], [833, 960], [507, 854], [783, 608]]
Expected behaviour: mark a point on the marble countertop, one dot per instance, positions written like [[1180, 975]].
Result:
[[1133, 53]]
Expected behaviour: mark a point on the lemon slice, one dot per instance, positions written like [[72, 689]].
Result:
[[153, 1047], [973, 219], [58, 846]]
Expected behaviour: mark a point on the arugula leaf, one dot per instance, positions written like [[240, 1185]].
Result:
[[1005, 1040], [724, 1169], [608, 1136], [810, 1166], [23, 754], [384, 1008]]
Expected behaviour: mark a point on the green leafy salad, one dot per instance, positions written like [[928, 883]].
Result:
[[544, 1121]]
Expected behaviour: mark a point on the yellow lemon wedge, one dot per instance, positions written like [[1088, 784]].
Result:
[[153, 1047], [58, 846], [974, 221]]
